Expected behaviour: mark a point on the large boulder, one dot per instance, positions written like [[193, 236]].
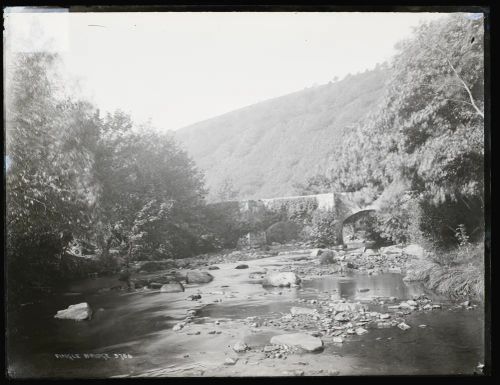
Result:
[[281, 279], [327, 258], [414, 250], [174, 287], [78, 312], [303, 310], [198, 276], [300, 340], [240, 347], [282, 232]]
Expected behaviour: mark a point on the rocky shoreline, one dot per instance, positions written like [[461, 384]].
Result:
[[296, 335]]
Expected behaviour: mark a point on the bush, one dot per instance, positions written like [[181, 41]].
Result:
[[325, 229], [458, 272]]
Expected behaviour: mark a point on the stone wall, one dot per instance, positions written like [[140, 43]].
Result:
[[254, 239]]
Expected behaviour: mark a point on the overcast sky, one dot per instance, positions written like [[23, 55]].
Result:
[[180, 68]]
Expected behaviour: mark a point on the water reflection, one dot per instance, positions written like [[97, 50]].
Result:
[[365, 287]]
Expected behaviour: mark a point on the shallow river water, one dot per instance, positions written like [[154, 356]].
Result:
[[135, 331]]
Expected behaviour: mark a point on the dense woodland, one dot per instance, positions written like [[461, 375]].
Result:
[[410, 133]]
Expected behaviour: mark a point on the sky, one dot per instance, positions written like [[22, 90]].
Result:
[[177, 68]]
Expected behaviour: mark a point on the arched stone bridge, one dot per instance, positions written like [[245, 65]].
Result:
[[346, 206]]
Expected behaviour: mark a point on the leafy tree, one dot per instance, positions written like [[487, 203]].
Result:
[[47, 192], [428, 130], [149, 190]]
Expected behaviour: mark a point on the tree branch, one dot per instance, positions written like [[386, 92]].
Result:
[[464, 85]]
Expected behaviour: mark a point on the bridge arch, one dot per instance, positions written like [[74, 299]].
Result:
[[352, 218]]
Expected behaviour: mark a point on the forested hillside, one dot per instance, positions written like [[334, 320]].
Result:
[[265, 149]]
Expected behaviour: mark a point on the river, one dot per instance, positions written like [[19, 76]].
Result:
[[131, 333]]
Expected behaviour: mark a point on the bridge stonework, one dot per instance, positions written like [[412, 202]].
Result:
[[344, 206]]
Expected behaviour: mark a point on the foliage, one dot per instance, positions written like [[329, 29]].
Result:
[[428, 131], [296, 209], [224, 220], [150, 193], [325, 229], [458, 272], [48, 192], [268, 147], [74, 175]]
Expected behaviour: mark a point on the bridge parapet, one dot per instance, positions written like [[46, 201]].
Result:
[[345, 206]]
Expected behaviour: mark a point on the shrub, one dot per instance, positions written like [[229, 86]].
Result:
[[325, 229], [457, 272]]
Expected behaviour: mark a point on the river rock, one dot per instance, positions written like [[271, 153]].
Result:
[[240, 347], [404, 326], [316, 252], [174, 287], [301, 340], [383, 325], [327, 258], [198, 276], [337, 340], [360, 331], [281, 279], [242, 266], [303, 310], [342, 317], [414, 250], [348, 306], [78, 312], [230, 361], [213, 267]]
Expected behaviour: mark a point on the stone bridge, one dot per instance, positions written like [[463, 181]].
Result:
[[346, 206]]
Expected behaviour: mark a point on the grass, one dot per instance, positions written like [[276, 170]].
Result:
[[458, 273]]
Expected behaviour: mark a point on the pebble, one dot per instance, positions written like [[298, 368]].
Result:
[[230, 361], [404, 326], [178, 327]]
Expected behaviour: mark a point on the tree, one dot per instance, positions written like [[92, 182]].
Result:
[[149, 190], [47, 192], [427, 131]]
